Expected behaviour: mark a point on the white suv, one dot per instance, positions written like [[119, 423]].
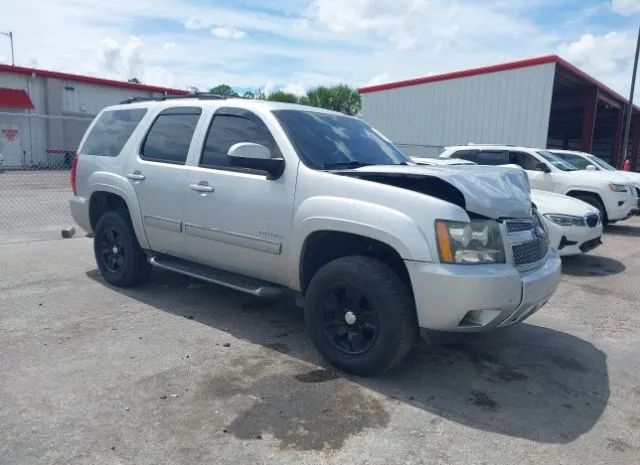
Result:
[[267, 197], [613, 194]]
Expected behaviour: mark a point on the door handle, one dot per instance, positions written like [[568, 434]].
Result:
[[136, 176], [202, 186]]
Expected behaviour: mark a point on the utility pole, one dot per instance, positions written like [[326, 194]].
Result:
[[627, 124], [10, 36]]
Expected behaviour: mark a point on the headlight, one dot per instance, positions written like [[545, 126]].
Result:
[[565, 220], [618, 187], [479, 241]]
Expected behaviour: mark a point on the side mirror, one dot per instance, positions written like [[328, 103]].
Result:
[[543, 167], [257, 157], [591, 168]]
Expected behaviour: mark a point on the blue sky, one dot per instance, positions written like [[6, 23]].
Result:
[[297, 44]]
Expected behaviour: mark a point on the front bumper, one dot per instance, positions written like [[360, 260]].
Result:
[[480, 297], [569, 240], [621, 206]]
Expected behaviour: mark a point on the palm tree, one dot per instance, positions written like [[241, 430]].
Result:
[[340, 98]]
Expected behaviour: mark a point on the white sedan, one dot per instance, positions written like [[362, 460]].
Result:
[[574, 226]]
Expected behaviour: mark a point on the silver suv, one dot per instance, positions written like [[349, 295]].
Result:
[[267, 197]]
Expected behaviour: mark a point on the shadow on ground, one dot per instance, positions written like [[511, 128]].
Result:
[[526, 381], [622, 230], [591, 265]]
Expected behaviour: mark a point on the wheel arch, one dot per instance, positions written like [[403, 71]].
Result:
[[108, 196], [322, 246]]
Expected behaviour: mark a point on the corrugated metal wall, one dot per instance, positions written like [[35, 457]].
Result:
[[506, 107], [63, 111]]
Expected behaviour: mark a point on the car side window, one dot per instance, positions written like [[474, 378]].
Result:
[[232, 126], [575, 160], [469, 155], [111, 131], [492, 157], [170, 135], [523, 160]]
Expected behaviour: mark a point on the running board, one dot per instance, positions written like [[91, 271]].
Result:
[[213, 275]]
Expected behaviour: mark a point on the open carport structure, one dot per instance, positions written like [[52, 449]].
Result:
[[539, 102]]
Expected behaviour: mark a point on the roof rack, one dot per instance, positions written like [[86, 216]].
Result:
[[162, 98]]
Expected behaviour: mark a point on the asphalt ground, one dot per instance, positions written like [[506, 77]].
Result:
[[182, 372]]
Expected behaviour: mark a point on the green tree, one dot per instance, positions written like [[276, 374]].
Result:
[[223, 89], [282, 96], [340, 98], [249, 95]]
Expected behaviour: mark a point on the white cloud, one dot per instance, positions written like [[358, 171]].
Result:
[[625, 7], [607, 57], [377, 79], [123, 61], [297, 88], [228, 33]]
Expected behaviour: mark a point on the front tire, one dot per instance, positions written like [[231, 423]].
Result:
[[360, 315], [120, 259]]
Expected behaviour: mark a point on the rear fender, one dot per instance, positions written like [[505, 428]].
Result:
[[102, 181]]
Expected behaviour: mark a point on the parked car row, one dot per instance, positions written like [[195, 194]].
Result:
[[574, 226], [270, 198]]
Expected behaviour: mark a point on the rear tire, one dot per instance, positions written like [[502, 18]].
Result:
[[595, 202], [120, 259], [360, 315]]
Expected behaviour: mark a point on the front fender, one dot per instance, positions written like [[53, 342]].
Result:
[[375, 221], [102, 181]]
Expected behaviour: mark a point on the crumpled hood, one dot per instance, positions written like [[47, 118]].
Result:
[[491, 191]]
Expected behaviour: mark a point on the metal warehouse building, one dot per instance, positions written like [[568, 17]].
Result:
[[541, 102], [43, 114]]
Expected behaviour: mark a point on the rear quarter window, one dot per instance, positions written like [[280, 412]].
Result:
[[111, 131], [469, 155]]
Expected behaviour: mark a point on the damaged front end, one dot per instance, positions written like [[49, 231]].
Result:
[[488, 191]]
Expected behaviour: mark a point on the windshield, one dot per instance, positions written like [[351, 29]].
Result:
[[557, 161], [601, 163], [327, 141]]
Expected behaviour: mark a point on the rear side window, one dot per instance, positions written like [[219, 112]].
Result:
[[111, 131], [170, 136], [230, 127], [524, 160], [469, 155], [489, 157]]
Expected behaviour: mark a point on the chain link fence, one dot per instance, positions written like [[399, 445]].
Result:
[[34, 177]]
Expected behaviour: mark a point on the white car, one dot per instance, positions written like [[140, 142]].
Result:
[[612, 193], [587, 161], [574, 226]]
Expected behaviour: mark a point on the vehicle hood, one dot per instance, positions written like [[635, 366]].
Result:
[[548, 202], [490, 191], [630, 175], [590, 176]]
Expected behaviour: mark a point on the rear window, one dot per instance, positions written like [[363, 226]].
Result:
[[111, 131], [490, 157], [469, 155]]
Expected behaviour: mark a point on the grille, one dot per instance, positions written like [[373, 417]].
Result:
[[518, 226], [530, 252], [592, 220]]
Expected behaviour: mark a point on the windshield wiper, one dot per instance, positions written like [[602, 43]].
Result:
[[346, 164]]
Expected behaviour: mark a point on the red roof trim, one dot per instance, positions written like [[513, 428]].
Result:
[[15, 98], [89, 80], [496, 68], [461, 74]]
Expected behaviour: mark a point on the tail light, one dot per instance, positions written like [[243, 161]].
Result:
[[74, 167]]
